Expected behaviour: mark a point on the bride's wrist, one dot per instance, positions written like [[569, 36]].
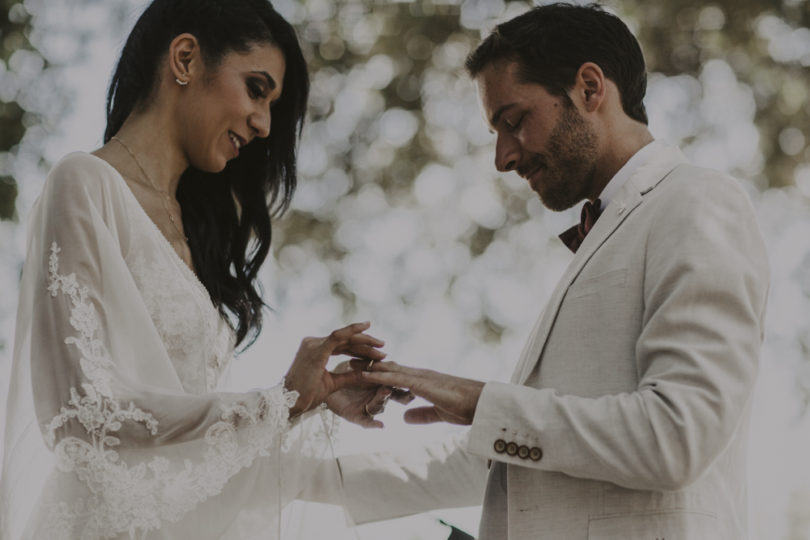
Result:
[[298, 407]]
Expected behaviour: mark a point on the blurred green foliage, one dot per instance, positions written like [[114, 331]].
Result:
[[14, 27], [766, 43], [400, 214], [371, 61]]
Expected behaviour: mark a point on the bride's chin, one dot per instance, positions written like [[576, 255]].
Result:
[[213, 166]]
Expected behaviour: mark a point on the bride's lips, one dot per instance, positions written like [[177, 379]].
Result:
[[237, 142]]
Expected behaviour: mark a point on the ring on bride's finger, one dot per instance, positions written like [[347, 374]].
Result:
[[365, 408], [370, 363]]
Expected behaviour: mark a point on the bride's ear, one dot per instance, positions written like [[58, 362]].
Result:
[[185, 60]]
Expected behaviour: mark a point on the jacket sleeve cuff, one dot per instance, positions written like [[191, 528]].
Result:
[[494, 434]]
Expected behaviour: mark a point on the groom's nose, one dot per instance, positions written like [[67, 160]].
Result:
[[507, 152]]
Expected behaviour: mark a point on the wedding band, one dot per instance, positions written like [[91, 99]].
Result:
[[365, 408], [370, 363]]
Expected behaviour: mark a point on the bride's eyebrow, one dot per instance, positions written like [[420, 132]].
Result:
[[271, 82]]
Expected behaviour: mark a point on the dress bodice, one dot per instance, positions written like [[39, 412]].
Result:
[[197, 338]]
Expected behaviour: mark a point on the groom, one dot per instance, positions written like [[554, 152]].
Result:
[[627, 413]]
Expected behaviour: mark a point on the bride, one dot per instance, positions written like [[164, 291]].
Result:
[[139, 282]]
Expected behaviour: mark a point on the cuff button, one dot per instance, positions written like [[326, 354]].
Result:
[[535, 454], [500, 446], [511, 448], [523, 452]]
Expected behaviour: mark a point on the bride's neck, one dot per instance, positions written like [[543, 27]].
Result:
[[152, 138]]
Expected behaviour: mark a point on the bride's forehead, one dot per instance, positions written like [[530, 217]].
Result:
[[262, 57]]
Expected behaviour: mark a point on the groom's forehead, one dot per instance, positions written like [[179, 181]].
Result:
[[496, 84], [500, 86]]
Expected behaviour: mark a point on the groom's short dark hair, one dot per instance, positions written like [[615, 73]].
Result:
[[551, 42]]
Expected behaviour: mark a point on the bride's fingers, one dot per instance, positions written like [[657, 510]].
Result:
[[362, 351], [377, 403], [366, 339], [402, 395], [342, 336], [361, 340], [370, 422]]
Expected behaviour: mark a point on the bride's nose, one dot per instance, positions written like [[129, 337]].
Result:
[[259, 122]]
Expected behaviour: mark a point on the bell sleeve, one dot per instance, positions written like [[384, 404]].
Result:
[[132, 453]]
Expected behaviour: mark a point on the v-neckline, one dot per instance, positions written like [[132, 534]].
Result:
[[190, 274]]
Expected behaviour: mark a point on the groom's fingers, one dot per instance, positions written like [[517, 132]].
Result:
[[362, 364], [422, 415], [399, 380]]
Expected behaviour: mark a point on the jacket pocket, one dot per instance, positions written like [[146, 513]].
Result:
[[663, 525], [613, 278]]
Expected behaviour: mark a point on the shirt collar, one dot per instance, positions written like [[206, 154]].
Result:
[[636, 160]]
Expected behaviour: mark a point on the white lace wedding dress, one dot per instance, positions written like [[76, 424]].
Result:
[[114, 428]]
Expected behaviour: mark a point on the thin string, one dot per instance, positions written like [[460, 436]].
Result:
[[165, 194]]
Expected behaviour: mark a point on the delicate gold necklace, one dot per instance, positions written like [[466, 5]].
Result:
[[165, 198]]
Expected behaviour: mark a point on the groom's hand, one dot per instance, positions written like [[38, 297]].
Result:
[[358, 403], [454, 399]]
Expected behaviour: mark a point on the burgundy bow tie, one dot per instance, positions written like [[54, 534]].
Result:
[[574, 236]]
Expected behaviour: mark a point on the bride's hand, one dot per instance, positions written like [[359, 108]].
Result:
[[358, 403], [308, 374]]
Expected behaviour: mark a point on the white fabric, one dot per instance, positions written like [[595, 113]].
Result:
[[635, 382], [622, 175], [114, 428], [413, 480]]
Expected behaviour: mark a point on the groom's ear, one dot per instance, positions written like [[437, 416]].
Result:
[[590, 87]]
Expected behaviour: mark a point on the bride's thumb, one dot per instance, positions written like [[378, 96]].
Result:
[[351, 378]]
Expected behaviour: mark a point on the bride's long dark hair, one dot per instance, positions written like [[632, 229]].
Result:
[[226, 215]]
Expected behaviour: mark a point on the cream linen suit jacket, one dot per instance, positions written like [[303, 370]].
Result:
[[627, 414]]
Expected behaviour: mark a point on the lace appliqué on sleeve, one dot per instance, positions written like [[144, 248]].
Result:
[[124, 498]]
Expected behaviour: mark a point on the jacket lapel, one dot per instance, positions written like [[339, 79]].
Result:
[[643, 180]]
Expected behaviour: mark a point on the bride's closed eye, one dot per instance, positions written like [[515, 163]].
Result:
[[256, 89]]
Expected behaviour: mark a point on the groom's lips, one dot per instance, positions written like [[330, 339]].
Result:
[[535, 176]]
